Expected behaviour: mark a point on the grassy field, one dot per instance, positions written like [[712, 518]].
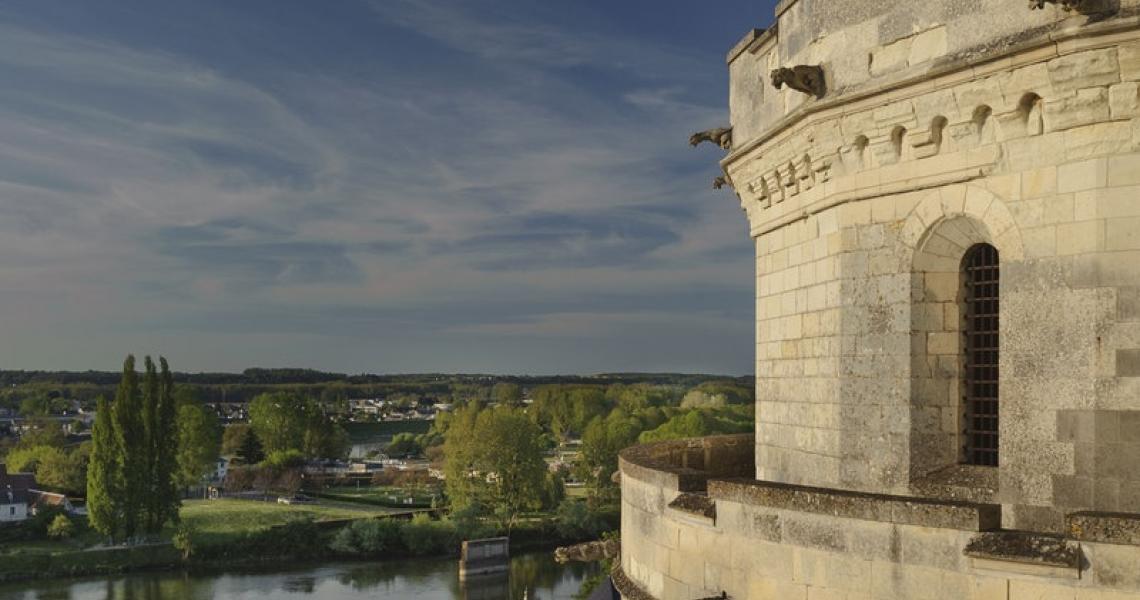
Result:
[[381, 494], [216, 520]]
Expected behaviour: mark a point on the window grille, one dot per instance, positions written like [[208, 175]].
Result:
[[980, 341]]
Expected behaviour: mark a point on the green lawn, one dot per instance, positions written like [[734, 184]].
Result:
[[380, 493], [216, 520]]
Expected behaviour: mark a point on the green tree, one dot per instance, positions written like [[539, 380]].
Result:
[[404, 444], [251, 451], [55, 469], [495, 459], [601, 443], [163, 440], [199, 437], [130, 434], [61, 528], [103, 475], [233, 436], [286, 420], [43, 432], [507, 394]]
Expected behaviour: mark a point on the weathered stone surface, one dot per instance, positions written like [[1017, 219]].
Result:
[[1020, 546], [872, 507], [1110, 528]]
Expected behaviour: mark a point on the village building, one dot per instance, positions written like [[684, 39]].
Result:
[[14, 495], [945, 202]]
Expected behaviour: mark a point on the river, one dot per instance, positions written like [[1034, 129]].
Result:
[[532, 576]]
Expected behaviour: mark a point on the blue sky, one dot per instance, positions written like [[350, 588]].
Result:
[[390, 186]]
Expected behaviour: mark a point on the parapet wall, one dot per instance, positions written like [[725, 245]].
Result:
[[756, 540]]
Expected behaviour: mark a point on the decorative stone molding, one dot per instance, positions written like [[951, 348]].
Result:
[[721, 136], [807, 79]]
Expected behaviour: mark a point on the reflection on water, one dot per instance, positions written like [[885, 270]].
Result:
[[532, 576]]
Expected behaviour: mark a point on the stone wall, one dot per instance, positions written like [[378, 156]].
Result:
[[756, 541], [862, 205]]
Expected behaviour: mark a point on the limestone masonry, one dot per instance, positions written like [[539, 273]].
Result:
[[945, 201]]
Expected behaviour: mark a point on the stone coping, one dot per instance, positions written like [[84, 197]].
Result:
[[687, 465], [902, 510], [1106, 527], [1025, 547], [627, 587], [698, 505]]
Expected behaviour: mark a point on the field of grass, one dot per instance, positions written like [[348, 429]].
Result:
[[214, 521], [381, 494]]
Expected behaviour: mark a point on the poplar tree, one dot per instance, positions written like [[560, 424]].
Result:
[[131, 449], [167, 501], [103, 484], [148, 460]]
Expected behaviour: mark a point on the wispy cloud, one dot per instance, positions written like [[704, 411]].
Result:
[[527, 188]]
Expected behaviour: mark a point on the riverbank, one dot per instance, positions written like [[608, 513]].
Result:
[[534, 575], [245, 534]]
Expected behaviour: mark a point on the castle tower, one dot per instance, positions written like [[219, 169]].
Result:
[[945, 202]]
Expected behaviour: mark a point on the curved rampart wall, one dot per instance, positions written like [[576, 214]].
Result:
[[756, 541]]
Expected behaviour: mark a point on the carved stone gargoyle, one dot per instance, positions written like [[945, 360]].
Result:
[[1066, 5], [720, 182], [721, 136], [802, 78]]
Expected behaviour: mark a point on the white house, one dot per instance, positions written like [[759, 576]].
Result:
[[14, 495]]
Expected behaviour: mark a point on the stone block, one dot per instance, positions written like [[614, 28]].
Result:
[[1124, 100], [927, 46], [1084, 175], [1100, 139], [1123, 233], [1085, 107], [989, 588], [1123, 170], [1128, 56], [1084, 69], [1020, 589], [1079, 238]]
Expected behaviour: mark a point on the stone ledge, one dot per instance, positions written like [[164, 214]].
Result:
[[1056, 554], [695, 507], [902, 510], [1106, 527], [687, 465], [627, 587]]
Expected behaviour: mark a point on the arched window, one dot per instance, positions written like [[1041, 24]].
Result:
[[980, 277]]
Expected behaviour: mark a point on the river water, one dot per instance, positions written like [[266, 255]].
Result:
[[532, 576]]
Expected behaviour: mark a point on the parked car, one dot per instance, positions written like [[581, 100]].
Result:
[[295, 499]]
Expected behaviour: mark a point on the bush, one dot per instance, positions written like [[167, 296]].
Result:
[[424, 536], [61, 528], [368, 537], [183, 542], [575, 520]]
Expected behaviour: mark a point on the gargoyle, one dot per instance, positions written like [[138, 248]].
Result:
[[1066, 5], [802, 78], [721, 136], [720, 182]]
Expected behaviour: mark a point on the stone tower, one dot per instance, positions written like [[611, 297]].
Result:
[[945, 201]]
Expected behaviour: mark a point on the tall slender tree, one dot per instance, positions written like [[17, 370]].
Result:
[[148, 461], [166, 451], [131, 448], [103, 482]]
